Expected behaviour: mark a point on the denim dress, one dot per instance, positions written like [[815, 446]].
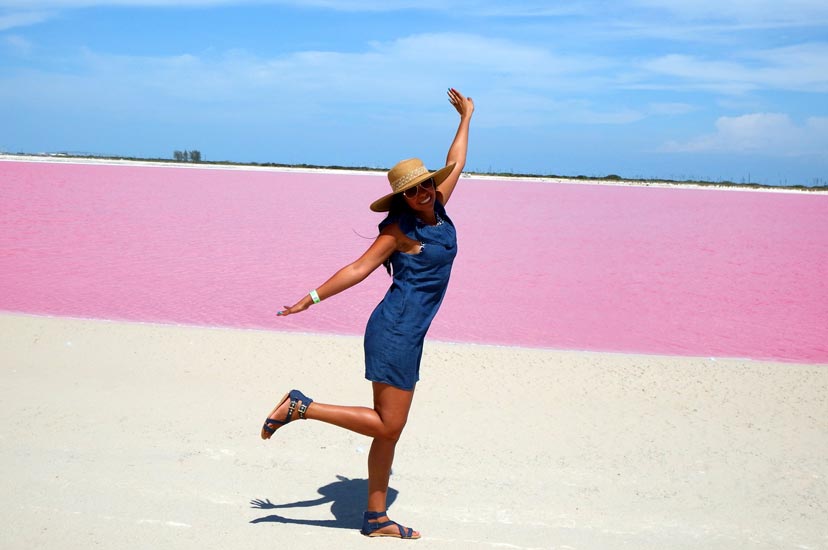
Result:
[[397, 327]]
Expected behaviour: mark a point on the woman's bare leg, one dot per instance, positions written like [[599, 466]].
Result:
[[384, 423], [392, 405], [386, 420]]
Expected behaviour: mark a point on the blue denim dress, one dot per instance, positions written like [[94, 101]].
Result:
[[397, 327]]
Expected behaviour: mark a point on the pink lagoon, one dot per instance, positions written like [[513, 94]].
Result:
[[631, 269]]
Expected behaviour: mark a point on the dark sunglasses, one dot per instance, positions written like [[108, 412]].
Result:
[[411, 192]]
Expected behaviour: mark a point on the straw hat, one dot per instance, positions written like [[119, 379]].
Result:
[[406, 174]]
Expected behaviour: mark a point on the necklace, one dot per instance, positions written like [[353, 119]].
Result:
[[437, 218]]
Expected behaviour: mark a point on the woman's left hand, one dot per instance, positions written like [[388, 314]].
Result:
[[463, 104]]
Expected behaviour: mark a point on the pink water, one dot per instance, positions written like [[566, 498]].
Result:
[[582, 267]]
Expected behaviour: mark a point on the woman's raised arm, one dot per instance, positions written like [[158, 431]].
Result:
[[460, 145]]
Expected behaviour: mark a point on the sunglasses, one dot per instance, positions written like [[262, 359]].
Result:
[[411, 192]]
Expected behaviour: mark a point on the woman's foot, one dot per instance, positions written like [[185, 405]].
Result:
[[292, 406], [377, 524]]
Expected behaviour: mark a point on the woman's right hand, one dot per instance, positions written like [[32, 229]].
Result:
[[298, 307]]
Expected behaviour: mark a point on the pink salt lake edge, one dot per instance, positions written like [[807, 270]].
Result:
[[566, 266]]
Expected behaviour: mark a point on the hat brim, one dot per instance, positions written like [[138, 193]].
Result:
[[439, 176]]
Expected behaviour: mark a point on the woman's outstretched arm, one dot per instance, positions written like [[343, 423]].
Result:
[[460, 145], [351, 274]]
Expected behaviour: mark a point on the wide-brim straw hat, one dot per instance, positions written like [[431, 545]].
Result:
[[406, 174]]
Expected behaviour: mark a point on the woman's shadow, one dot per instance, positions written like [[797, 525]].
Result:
[[347, 498]]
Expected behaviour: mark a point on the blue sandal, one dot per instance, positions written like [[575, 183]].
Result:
[[370, 528], [295, 397]]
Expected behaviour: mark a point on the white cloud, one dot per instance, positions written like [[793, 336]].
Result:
[[797, 67], [670, 109], [71, 4], [413, 63], [691, 72], [400, 68], [17, 44], [767, 13], [23, 19], [523, 83], [801, 67], [471, 7], [674, 15], [772, 134], [520, 85]]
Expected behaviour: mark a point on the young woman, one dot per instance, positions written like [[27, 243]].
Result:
[[417, 244]]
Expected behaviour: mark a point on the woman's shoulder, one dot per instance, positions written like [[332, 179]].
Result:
[[402, 220]]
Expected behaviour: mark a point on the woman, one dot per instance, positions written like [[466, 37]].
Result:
[[417, 244]]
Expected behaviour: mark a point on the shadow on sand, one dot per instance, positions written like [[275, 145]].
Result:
[[347, 499]]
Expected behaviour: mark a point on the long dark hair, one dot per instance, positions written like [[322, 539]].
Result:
[[398, 208]]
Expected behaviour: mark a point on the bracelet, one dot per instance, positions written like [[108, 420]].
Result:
[[314, 296]]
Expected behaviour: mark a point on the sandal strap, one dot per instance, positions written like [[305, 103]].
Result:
[[405, 532], [295, 397], [266, 427], [369, 527], [374, 515]]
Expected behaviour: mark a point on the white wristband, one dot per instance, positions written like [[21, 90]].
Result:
[[314, 296]]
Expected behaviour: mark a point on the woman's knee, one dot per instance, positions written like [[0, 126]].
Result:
[[392, 430], [392, 406]]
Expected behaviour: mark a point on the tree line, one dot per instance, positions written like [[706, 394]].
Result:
[[187, 156]]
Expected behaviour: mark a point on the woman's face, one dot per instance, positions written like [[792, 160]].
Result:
[[423, 200]]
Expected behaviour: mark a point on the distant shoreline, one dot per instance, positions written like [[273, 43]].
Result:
[[227, 165]]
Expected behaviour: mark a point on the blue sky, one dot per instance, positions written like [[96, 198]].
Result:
[[682, 89]]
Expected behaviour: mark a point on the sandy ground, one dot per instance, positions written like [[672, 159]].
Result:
[[126, 436]]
